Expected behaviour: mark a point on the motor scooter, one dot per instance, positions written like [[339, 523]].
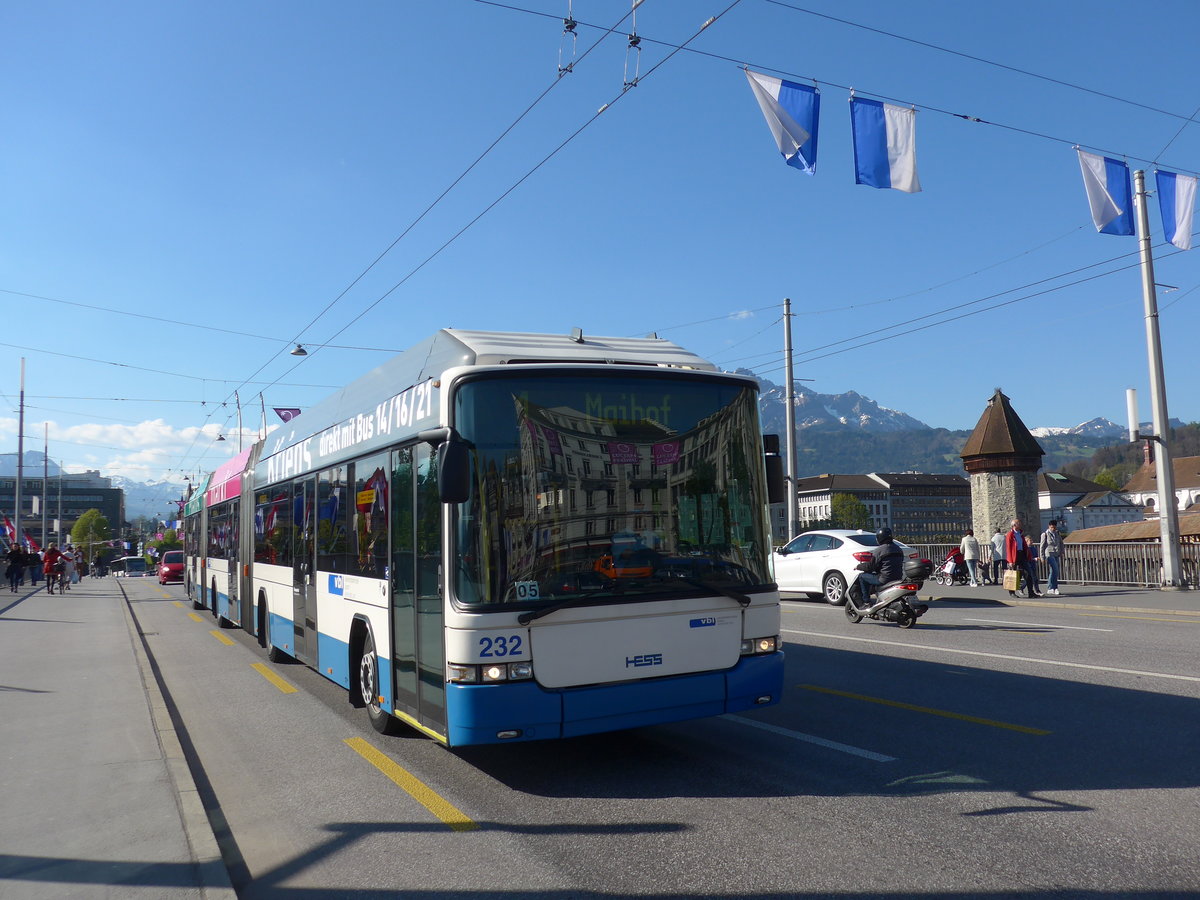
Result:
[[893, 602]]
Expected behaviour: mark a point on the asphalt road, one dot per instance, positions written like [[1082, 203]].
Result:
[[990, 751]]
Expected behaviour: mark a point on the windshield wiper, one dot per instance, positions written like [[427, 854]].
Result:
[[526, 617]]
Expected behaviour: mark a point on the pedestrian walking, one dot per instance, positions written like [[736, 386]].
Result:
[[1035, 576], [33, 565], [16, 566], [1017, 556], [1050, 548], [970, 551], [68, 567], [51, 568], [997, 553], [79, 571]]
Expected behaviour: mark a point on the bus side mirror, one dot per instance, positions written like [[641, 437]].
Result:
[[454, 470], [776, 486], [454, 463]]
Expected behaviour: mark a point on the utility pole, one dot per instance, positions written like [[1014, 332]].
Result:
[[1168, 512], [45, 477], [19, 537], [790, 419]]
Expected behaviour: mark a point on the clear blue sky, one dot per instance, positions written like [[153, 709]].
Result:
[[229, 170]]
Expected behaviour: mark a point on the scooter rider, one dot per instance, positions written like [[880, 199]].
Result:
[[885, 565]]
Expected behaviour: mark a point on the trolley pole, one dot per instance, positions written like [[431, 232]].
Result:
[[1168, 513], [790, 419]]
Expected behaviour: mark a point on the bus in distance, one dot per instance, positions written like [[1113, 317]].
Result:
[[503, 537]]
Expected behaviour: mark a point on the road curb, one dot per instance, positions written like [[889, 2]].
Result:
[[212, 876]]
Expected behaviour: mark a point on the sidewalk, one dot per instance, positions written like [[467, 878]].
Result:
[[1076, 596], [98, 799]]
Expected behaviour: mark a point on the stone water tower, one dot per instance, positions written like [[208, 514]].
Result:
[[1002, 460]]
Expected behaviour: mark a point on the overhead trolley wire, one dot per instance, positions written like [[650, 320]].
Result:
[[922, 106], [411, 225], [529, 174], [980, 59]]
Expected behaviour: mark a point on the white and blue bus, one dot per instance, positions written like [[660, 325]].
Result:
[[194, 531], [503, 537]]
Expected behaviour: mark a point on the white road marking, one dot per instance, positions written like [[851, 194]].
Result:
[[1025, 659], [813, 739], [1039, 625]]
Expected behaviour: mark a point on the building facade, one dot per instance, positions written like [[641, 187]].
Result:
[[1078, 503], [1142, 489], [64, 498], [918, 507]]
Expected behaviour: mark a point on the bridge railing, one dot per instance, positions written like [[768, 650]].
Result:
[[1116, 563]]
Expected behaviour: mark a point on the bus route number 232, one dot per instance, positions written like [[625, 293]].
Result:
[[500, 645]]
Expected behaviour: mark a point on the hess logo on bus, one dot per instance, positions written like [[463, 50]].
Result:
[[645, 659]]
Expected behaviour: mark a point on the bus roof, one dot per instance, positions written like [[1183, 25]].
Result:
[[225, 483], [195, 502], [398, 396]]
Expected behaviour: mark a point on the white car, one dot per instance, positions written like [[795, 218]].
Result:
[[824, 562]]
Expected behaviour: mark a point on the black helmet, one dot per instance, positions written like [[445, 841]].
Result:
[[884, 535]]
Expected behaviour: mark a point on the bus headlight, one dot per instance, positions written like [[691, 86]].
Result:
[[521, 671], [492, 673], [459, 674], [760, 646]]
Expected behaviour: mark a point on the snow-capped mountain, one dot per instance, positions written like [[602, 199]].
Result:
[[850, 410], [153, 499], [1099, 427]]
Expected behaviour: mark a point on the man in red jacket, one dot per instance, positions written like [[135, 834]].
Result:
[[1016, 554]]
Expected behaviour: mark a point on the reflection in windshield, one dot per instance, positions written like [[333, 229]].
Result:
[[608, 487]]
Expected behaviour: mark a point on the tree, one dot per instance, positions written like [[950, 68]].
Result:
[[170, 541], [90, 528], [847, 511]]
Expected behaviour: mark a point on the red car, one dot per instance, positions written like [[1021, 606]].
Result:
[[170, 566]]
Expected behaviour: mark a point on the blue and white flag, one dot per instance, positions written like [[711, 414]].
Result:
[[1177, 203], [1108, 191], [885, 145], [791, 111]]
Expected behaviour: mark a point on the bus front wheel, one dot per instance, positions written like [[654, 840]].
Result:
[[368, 680]]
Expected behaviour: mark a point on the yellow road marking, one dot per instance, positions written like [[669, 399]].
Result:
[[179, 604], [1142, 618], [1024, 729], [263, 670], [194, 617], [417, 789], [224, 639]]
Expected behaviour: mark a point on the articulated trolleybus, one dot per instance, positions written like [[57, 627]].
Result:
[[503, 537]]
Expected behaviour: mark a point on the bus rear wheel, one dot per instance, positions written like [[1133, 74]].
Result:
[[368, 680]]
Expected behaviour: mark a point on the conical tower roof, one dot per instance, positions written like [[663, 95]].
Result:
[[1001, 442]]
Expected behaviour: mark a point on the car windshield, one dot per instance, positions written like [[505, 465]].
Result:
[[608, 486], [173, 556]]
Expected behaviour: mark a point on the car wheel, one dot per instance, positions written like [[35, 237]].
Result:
[[835, 589]]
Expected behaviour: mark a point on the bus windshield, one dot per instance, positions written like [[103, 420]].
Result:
[[606, 487]]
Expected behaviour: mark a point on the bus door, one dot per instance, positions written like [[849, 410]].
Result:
[[304, 588], [232, 558], [418, 648]]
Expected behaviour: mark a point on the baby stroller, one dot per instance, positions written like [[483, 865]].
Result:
[[953, 570]]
